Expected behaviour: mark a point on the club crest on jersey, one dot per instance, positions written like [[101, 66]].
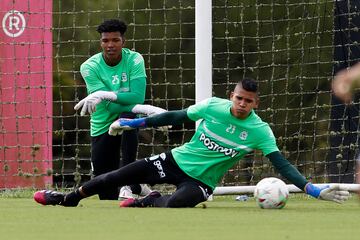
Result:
[[213, 146], [123, 77], [243, 135]]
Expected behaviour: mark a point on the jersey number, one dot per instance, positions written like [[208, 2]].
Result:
[[115, 79], [231, 129]]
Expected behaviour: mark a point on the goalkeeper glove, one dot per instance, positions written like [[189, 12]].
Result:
[[89, 103], [150, 110], [117, 127], [146, 109], [334, 192]]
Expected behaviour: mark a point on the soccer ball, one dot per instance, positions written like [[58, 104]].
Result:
[[271, 193]]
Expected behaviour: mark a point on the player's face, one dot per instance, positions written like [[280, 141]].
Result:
[[243, 102], [112, 44]]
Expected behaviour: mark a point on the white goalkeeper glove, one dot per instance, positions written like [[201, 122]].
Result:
[[89, 103], [334, 192], [117, 127], [148, 110]]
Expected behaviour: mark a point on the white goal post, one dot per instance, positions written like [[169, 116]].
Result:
[[233, 190], [203, 50]]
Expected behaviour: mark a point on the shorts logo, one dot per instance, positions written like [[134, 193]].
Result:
[[157, 163], [161, 172], [212, 145]]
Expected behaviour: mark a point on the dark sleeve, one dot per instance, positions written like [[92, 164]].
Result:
[[168, 118], [287, 170]]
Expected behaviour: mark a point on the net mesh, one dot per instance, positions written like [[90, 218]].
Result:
[[287, 46]]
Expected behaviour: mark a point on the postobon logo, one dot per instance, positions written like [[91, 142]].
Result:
[[212, 145], [13, 23]]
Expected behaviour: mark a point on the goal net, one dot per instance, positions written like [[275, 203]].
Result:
[[289, 47]]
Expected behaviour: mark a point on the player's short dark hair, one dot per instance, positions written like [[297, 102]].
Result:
[[249, 84], [112, 25]]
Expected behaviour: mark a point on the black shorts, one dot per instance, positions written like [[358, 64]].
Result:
[[168, 171]]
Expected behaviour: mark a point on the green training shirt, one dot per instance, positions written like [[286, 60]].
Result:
[[127, 79], [221, 140]]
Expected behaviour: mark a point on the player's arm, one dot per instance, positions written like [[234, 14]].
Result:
[[176, 117], [144, 109], [115, 108], [164, 119], [191, 114], [117, 101], [137, 82], [136, 95], [286, 169], [98, 92], [96, 89]]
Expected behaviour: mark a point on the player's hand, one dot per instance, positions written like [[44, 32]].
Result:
[[345, 81], [150, 110], [334, 193], [124, 124], [147, 110], [88, 104], [341, 86]]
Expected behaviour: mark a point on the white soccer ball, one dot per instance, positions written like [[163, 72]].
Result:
[[271, 193]]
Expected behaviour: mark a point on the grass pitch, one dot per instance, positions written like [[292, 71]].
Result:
[[223, 218]]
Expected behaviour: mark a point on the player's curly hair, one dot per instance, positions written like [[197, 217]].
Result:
[[112, 25], [249, 84]]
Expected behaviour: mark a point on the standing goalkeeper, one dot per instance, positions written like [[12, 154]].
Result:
[[228, 130], [344, 85], [116, 81]]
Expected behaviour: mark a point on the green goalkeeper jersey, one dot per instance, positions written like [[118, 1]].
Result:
[[221, 140], [127, 79]]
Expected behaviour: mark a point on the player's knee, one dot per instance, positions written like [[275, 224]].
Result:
[[181, 202], [106, 179], [176, 203]]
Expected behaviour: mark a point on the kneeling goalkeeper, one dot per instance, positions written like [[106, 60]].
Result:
[[228, 130]]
